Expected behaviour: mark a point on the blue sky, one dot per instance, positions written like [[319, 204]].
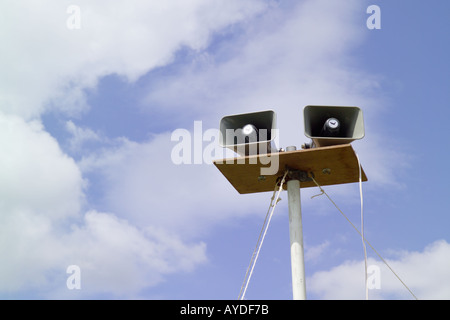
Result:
[[87, 176]]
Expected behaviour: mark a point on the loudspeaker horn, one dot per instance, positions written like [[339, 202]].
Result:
[[249, 133], [333, 125]]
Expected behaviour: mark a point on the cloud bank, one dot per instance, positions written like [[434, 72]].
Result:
[[47, 223], [424, 272]]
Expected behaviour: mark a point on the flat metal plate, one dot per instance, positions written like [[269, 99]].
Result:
[[330, 165]]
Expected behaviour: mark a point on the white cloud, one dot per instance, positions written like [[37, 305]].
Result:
[[143, 184], [313, 253], [80, 136], [43, 230], [119, 258], [280, 61], [45, 64], [40, 188], [425, 273], [34, 173], [115, 258]]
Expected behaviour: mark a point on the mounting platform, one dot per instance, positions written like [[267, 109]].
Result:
[[329, 165]]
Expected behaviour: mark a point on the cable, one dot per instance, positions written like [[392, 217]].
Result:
[[261, 237], [364, 239], [257, 243], [362, 229]]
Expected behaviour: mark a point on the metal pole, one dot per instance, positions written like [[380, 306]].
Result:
[[296, 237]]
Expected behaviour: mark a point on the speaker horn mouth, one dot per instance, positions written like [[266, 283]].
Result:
[[331, 128], [250, 133], [249, 129], [333, 125]]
